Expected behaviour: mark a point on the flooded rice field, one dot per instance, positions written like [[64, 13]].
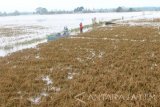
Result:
[[21, 32], [110, 66]]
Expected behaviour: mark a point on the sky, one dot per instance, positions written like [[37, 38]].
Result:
[[31, 5]]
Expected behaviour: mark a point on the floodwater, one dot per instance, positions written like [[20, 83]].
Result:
[[21, 32]]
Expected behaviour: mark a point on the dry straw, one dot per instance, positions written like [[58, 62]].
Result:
[[127, 66]]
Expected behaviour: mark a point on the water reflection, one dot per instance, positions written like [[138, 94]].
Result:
[[4, 52]]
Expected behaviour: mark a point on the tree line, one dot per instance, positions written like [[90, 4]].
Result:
[[81, 9]]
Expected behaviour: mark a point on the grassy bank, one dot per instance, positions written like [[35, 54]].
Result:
[[88, 26], [114, 66]]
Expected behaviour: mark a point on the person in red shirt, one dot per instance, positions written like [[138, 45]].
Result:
[[81, 27]]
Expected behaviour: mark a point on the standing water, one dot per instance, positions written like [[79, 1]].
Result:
[[21, 32]]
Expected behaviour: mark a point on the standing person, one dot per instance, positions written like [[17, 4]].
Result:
[[81, 27], [94, 21], [122, 17], [65, 31]]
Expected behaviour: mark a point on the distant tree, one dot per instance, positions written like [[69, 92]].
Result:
[[41, 10], [1, 14], [4, 14], [131, 10], [87, 11], [119, 9], [79, 9], [15, 13]]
